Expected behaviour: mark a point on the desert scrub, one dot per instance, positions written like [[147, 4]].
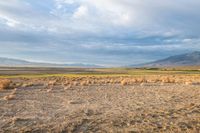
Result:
[[124, 82], [84, 83], [5, 84], [9, 97], [27, 84]]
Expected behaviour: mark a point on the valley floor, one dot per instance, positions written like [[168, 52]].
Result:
[[150, 107]]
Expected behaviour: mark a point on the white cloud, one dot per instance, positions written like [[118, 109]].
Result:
[[137, 24], [9, 21], [81, 12], [107, 16]]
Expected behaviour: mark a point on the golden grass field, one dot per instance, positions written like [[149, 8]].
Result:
[[100, 100]]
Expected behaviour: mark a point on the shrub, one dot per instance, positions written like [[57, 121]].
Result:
[[84, 83], [52, 82], [124, 82], [5, 84], [27, 84], [188, 83], [142, 84], [9, 97], [75, 83]]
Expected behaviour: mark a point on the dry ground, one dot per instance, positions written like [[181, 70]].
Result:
[[101, 105]]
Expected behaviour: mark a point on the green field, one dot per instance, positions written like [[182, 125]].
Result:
[[75, 72]]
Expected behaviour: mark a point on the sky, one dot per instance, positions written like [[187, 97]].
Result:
[[103, 32]]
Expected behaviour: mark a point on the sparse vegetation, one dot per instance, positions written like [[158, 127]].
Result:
[[27, 84], [9, 97], [133, 101], [5, 84]]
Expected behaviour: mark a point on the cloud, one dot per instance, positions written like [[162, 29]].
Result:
[[82, 11], [88, 31]]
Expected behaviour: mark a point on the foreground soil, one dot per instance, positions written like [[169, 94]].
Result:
[[150, 107]]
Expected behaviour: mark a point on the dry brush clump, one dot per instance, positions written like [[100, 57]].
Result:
[[5, 84], [124, 82], [51, 82], [83, 83], [170, 79], [188, 83], [132, 81], [67, 87], [9, 97], [14, 91], [70, 82], [128, 80], [75, 83], [49, 90], [29, 84]]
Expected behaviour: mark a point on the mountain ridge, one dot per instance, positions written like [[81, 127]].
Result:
[[11, 62], [187, 59]]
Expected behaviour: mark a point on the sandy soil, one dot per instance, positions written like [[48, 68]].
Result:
[[102, 108]]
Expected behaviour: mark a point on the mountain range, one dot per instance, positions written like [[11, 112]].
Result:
[[187, 59], [9, 62]]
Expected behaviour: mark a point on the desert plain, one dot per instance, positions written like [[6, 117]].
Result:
[[99, 100]]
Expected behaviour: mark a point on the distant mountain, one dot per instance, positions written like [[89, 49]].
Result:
[[8, 62], [189, 59], [82, 65]]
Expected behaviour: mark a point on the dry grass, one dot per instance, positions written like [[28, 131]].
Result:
[[49, 90], [83, 83], [52, 82], [131, 103], [68, 82], [142, 84], [9, 97], [5, 84], [75, 83], [129, 80], [124, 82], [188, 83], [29, 84], [14, 91], [67, 87]]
